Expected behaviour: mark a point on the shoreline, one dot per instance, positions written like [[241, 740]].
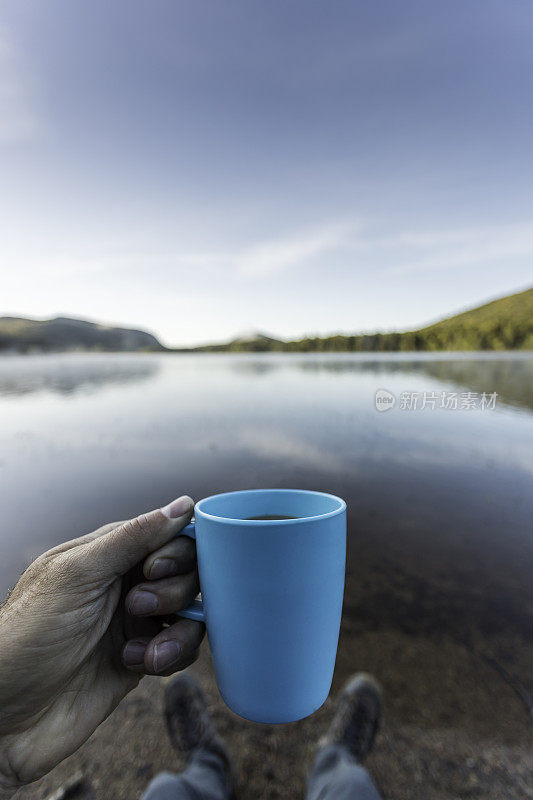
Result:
[[418, 754], [453, 726]]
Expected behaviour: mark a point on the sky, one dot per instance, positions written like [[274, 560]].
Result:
[[205, 169]]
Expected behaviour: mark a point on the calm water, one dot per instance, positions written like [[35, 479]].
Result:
[[439, 497]]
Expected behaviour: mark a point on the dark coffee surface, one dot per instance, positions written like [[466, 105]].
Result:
[[272, 516]]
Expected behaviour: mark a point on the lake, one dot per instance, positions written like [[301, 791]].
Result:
[[440, 552]]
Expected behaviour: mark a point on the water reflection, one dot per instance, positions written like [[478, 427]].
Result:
[[440, 502], [512, 379], [67, 374], [510, 375]]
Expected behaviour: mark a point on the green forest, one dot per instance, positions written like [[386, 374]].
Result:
[[504, 324]]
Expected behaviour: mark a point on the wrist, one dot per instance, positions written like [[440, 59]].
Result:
[[7, 791], [8, 783]]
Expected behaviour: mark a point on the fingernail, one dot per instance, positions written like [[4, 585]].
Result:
[[162, 567], [133, 653], [179, 507], [142, 602], [165, 654]]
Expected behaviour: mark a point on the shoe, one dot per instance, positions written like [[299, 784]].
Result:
[[190, 726], [357, 716]]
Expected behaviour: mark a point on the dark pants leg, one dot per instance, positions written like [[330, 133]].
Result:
[[336, 775], [205, 778]]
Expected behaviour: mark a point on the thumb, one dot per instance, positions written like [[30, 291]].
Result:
[[122, 548]]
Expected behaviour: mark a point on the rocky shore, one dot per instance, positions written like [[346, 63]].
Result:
[[455, 727]]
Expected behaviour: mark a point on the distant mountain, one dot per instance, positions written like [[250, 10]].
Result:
[[504, 324], [253, 336], [249, 342], [19, 334]]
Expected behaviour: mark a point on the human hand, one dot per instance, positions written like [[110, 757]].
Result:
[[79, 631]]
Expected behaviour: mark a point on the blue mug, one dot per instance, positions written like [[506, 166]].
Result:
[[272, 593]]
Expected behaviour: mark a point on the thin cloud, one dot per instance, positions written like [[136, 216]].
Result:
[[277, 255], [273, 443], [258, 260], [400, 253], [453, 249]]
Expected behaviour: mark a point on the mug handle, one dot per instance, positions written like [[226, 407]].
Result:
[[196, 609]]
